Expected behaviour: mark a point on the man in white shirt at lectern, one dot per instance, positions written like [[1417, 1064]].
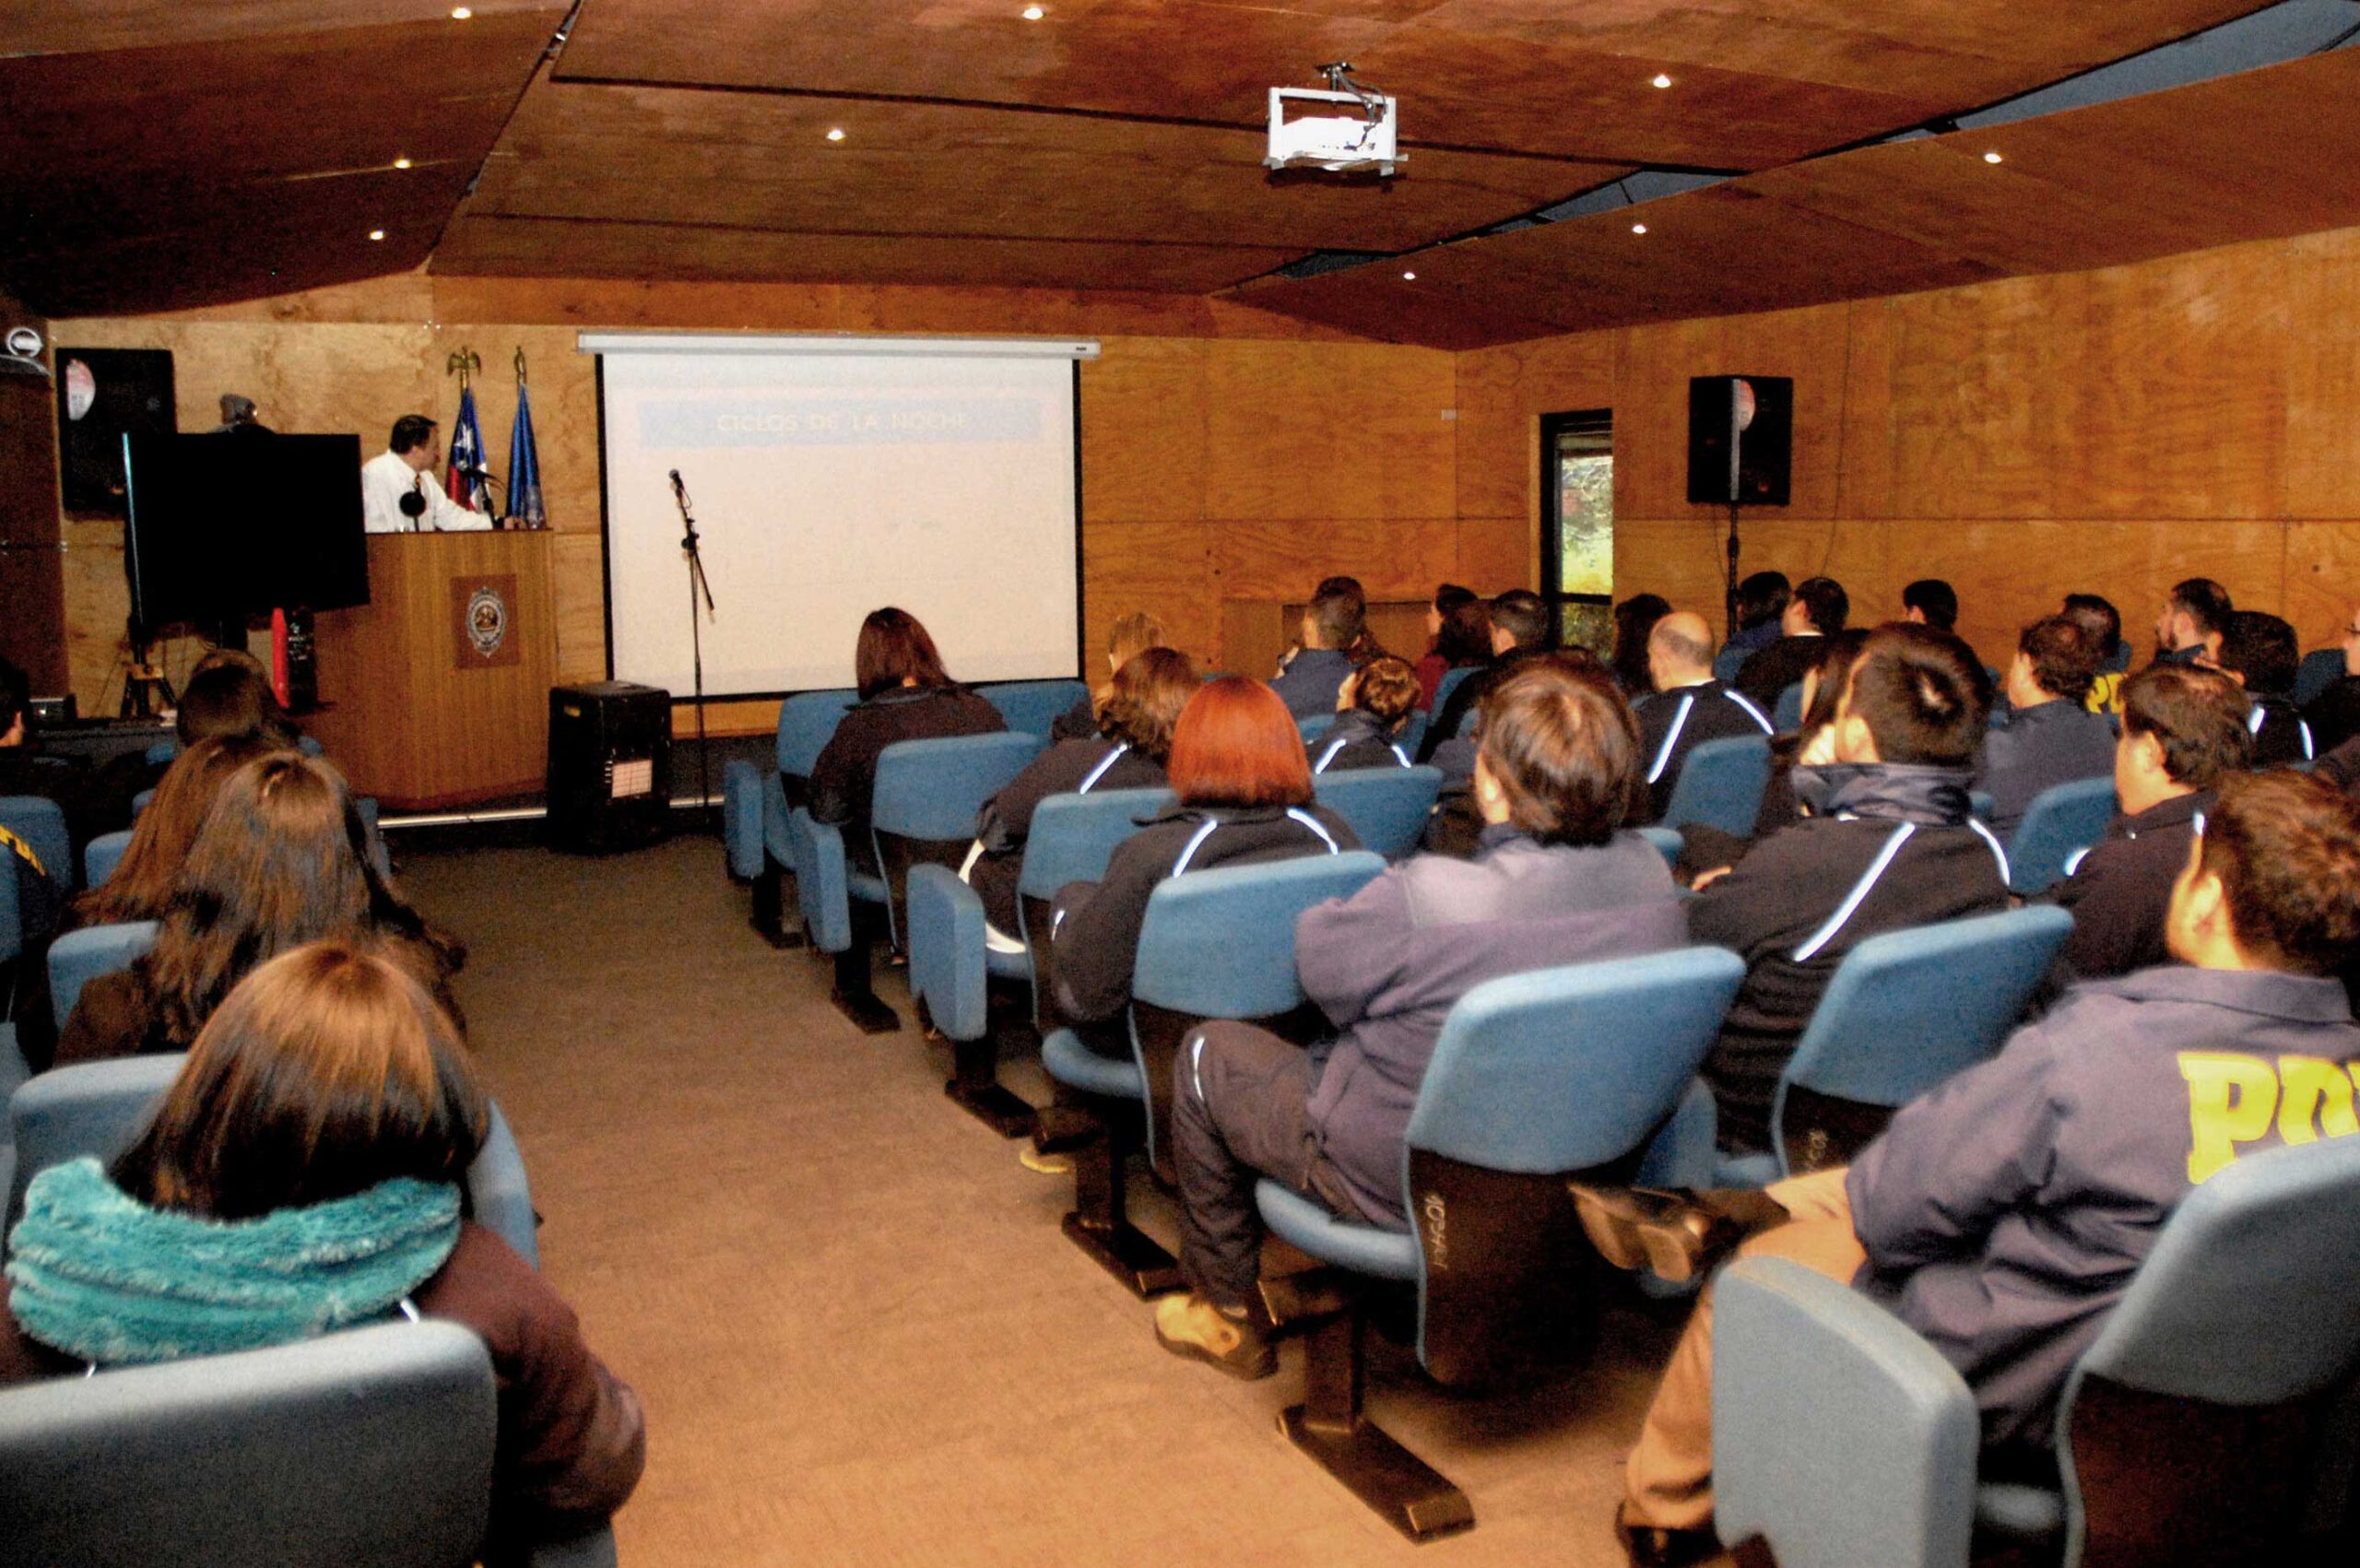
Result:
[[396, 497]]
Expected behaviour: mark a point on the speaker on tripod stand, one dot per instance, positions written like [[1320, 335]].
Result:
[[1740, 441]]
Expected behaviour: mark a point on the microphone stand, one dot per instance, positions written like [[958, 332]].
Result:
[[699, 586]]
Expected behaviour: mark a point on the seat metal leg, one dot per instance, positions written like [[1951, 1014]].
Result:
[[855, 995], [1331, 1427], [974, 1086], [1099, 1224], [771, 906]]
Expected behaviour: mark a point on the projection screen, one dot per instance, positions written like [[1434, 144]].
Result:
[[828, 477]]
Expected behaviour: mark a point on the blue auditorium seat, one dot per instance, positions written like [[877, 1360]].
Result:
[[1216, 944], [81, 956], [1031, 706], [1387, 808], [1728, 662], [102, 855], [2206, 1424], [2320, 670], [41, 824], [1788, 715], [1666, 841], [1906, 1010], [754, 805], [1449, 683], [1721, 785], [1563, 1072], [2061, 822]]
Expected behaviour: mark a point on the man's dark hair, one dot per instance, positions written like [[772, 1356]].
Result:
[[1934, 599], [1523, 615], [1825, 602], [231, 701], [15, 694], [2097, 616], [2197, 715], [1563, 744], [1340, 611], [1450, 595], [2206, 602], [2263, 648], [2286, 847], [1762, 597], [2064, 659], [1923, 694], [410, 432]]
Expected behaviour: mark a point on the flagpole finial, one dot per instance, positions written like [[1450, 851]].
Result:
[[464, 363], [520, 364]]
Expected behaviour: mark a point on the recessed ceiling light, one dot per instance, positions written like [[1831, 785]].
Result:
[[460, 12], [1638, 229], [401, 163], [1990, 157], [835, 132], [1662, 80], [1409, 278], [1033, 13], [377, 233]]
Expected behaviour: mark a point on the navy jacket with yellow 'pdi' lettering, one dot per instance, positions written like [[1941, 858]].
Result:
[[2004, 1214]]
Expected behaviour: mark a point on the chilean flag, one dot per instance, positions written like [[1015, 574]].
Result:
[[464, 476]]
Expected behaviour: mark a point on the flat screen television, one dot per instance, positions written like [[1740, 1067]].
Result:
[[242, 524]]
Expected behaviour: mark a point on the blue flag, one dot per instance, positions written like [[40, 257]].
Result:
[[464, 476], [524, 468]]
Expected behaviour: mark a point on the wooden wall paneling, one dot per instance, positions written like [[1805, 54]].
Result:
[[1502, 394], [1978, 402], [1496, 554], [2322, 580], [32, 563], [1342, 431], [1284, 559], [578, 592], [1143, 430], [1864, 445], [1679, 557], [1164, 569], [2322, 457]]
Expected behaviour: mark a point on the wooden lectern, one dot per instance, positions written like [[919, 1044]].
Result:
[[436, 693]]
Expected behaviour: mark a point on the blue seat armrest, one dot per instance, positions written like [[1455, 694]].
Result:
[[592, 1548], [822, 885], [1668, 842], [777, 844], [1076, 1066], [741, 817], [500, 1194], [1349, 1243], [1682, 1153], [1839, 1436], [946, 941], [1755, 1170]]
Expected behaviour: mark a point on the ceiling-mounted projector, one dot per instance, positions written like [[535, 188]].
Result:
[[1359, 142]]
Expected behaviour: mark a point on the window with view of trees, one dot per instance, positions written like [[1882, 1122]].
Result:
[[1577, 524]]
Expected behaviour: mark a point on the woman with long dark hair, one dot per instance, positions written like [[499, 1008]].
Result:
[[281, 860], [302, 1174], [905, 694], [142, 883], [1459, 632], [1634, 618]]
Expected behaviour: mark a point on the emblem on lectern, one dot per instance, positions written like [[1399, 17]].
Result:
[[487, 621]]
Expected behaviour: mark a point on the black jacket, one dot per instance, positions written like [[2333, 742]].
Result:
[[1356, 741], [1070, 767], [2120, 891], [1777, 667], [1077, 723], [2279, 734], [2334, 713], [2052, 744], [2342, 765], [844, 777], [1464, 697], [1309, 682], [1095, 925], [1890, 846], [1674, 723]]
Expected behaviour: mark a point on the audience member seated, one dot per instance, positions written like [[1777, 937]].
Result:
[[1244, 789], [1520, 631], [2189, 625], [230, 697], [141, 886], [1929, 601], [1707, 851], [1452, 639], [1557, 881], [2003, 1216], [2183, 732], [2102, 624], [1819, 609], [2050, 738], [1634, 618], [1762, 601], [281, 860], [1135, 713], [2334, 713], [2341, 767], [1691, 707], [1130, 636], [95, 800], [904, 695], [1371, 712], [302, 1175], [1307, 682], [2259, 653], [1364, 646], [1888, 844]]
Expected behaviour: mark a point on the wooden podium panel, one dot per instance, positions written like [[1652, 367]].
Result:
[[436, 692]]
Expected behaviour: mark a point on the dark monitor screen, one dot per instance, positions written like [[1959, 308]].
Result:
[[242, 524]]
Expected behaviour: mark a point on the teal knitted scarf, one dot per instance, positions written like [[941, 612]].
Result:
[[108, 1279]]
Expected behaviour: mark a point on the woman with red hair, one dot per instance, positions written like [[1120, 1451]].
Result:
[[1244, 795]]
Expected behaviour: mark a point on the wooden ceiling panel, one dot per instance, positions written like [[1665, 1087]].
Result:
[[750, 160], [48, 26], [562, 248], [1530, 75]]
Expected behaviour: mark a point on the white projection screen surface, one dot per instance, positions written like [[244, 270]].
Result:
[[831, 476]]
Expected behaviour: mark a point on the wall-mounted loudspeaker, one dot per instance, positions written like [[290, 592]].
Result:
[[1741, 435]]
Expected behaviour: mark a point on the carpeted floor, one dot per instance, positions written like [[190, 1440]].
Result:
[[860, 1338]]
